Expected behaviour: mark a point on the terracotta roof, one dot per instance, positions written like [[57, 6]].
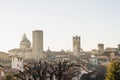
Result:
[[4, 55], [20, 50], [58, 52]]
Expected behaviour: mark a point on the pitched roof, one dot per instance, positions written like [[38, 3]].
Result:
[[20, 50], [4, 55]]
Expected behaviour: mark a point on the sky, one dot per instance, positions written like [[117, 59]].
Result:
[[95, 21]]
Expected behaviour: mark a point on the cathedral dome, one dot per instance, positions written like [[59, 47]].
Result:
[[24, 39], [25, 43]]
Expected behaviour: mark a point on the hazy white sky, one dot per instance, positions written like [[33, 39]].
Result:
[[96, 21]]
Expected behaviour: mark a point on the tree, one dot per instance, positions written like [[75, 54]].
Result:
[[44, 71], [113, 70]]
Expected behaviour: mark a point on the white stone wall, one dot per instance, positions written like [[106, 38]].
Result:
[[17, 63]]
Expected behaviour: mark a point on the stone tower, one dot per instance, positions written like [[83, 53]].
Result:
[[37, 48], [118, 47], [100, 48], [25, 43], [76, 45]]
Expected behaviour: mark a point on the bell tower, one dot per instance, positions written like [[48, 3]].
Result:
[[76, 45], [118, 47], [100, 48]]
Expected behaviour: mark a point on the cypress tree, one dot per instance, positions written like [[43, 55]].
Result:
[[113, 70]]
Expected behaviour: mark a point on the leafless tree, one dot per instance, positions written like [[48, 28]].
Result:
[[44, 70]]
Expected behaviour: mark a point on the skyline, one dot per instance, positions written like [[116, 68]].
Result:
[[96, 21]]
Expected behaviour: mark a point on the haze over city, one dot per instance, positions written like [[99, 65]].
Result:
[[95, 21]]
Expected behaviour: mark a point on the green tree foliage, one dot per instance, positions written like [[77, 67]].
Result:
[[9, 77], [113, 70]]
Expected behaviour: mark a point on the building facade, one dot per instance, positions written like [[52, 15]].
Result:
[[24, 50], [17, 62]]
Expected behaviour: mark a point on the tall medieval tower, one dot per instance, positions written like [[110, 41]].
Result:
[[37, 48], [100, 48], [76, 45], [118, 47]]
